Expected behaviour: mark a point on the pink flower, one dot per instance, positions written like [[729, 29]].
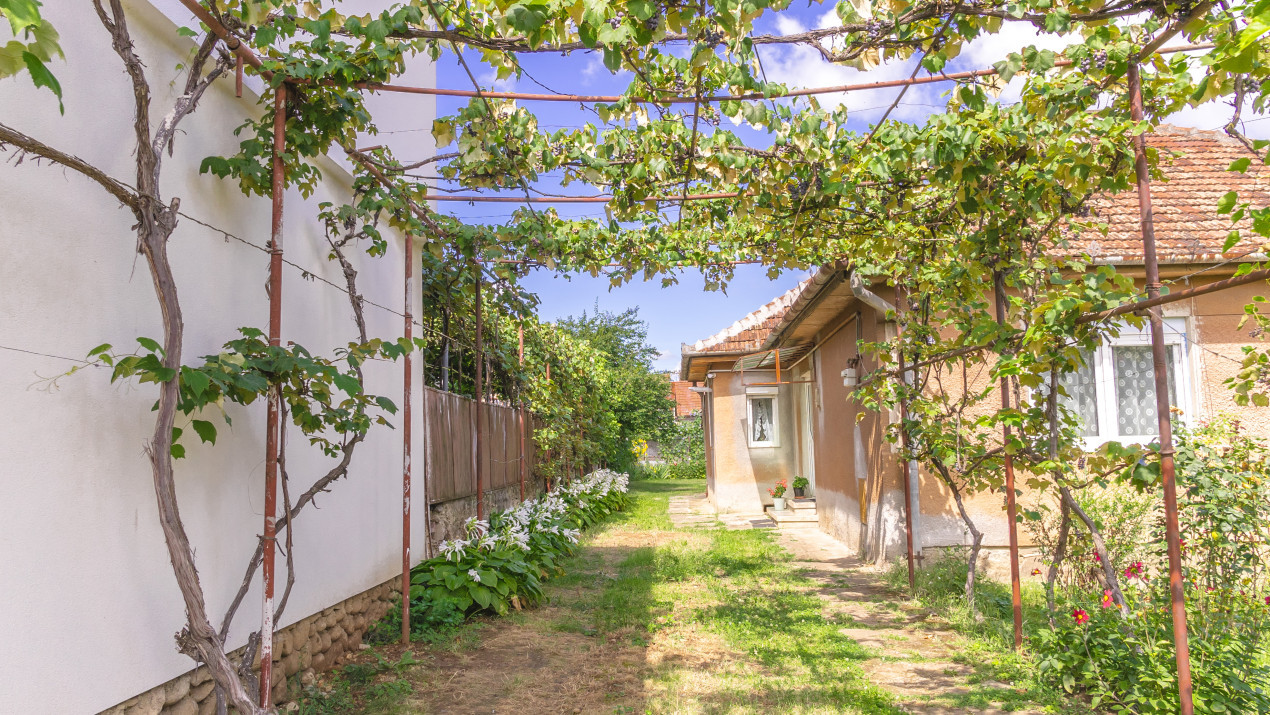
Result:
[[1036, 572], [1135, 570], [1268, 600], [1097, 557], [1107, 600], [1081, 617]]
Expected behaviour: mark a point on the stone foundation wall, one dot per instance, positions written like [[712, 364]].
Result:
[[301, 650], [448, 517]]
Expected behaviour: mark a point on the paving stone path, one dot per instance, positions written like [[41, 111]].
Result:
[[916, 658]]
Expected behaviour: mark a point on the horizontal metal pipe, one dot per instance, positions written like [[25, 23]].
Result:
[[744, 97], [1184, 294], [251, 59]]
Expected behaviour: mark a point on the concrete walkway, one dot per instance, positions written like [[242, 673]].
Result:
[[696, 511]]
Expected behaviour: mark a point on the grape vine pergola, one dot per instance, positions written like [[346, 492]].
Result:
[[980, 194]]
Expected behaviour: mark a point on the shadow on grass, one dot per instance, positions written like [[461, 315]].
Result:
[[989, 636], [782, 655]]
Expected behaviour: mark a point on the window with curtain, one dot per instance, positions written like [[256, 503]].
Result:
[[1113, 393], [762, 421]]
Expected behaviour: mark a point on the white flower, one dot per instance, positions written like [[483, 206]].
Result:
[[454, 548], [476, 527], [475, 576]]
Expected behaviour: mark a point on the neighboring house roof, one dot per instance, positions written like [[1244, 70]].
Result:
[[1188, 229], [1184, 206], [686, 401]]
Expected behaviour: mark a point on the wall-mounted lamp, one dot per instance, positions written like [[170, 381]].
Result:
[[851, 375]]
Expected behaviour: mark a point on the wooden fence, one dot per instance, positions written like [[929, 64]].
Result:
[[450, 429]]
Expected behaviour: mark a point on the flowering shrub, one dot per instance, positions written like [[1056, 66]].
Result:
[[1127, 664], [504, 560]]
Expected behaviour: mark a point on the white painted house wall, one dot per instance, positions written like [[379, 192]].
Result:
[[88, 602]]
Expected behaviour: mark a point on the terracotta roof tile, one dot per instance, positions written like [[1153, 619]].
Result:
[[750, 332], [1187, 225]]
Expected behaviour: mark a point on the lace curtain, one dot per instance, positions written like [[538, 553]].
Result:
[[1081, 387], [761, 419], [1135, 389]]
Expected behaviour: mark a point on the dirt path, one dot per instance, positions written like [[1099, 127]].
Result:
[[665, 612], [916, 656]]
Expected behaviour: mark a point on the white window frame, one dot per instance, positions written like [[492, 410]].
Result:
[[1175, 333], [752, 394]]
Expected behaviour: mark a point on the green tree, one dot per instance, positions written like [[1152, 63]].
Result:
[[637, 395]]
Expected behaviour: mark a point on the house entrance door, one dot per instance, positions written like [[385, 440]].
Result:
[[806, 418]]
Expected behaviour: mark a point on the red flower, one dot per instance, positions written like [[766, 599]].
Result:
[[1268, 600], [1081, 617], [1097, 557], [1036, 572], [1135, 570], [1107, 600]]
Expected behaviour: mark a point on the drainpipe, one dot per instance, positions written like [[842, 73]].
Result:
[[912, 508]]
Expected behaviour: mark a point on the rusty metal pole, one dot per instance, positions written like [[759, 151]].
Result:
[[1011, 505], [901, 301], [480, 395], [520, 414], [1159, 361], [273, 425], [547, 457], [407, 379]]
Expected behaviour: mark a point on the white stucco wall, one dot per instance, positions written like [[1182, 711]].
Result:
[[88, 603]]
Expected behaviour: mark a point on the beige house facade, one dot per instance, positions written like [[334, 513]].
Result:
[[775, 404]]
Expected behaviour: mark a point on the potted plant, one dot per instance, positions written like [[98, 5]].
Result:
[[800, 486], [778, 495]]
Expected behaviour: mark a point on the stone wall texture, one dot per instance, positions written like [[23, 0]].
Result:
[[301, 650], [448, 517]]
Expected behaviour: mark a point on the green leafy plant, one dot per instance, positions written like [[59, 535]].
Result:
[[1127, 664], [502, 563], [324, 397], [34, 45], [801, 483]]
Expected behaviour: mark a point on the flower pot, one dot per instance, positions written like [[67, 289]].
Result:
[[778, 503], [800, 492]]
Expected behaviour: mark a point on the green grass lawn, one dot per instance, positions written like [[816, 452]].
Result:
[[647, 618]]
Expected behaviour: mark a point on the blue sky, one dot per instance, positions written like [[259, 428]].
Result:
[[685, 312]]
